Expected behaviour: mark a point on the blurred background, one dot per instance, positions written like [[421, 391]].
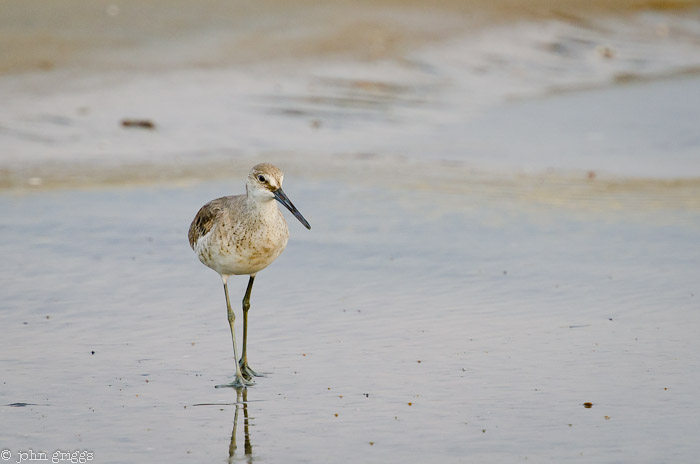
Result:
[[106, 91]]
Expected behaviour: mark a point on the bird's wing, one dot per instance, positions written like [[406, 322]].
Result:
[[205, 219]]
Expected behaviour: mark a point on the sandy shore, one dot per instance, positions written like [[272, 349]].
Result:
[[100, 34]]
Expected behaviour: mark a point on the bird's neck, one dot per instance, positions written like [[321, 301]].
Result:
[[261, 205]]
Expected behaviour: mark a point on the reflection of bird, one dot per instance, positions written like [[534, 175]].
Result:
[[247, 446], [242, 235]]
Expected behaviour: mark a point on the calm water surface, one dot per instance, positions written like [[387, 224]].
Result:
[[432, 325]]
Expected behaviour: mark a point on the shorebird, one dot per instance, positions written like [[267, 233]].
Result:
[[242, 235]]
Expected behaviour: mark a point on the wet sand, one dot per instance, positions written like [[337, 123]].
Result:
[[178, 34], [466, 325], [503, 264]]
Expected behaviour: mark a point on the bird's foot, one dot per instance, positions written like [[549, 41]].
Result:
[[247, 372], [238, 382]]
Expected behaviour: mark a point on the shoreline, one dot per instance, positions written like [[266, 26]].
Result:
[[191, 165], [578, 193]]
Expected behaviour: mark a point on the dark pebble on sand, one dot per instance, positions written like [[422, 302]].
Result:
[[138, 123]]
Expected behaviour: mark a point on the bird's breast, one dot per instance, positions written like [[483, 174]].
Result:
[[243, 248]]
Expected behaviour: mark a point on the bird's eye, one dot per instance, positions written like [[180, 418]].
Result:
[[261, 178]]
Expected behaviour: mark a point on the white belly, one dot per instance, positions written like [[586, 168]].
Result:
[[239, 257]]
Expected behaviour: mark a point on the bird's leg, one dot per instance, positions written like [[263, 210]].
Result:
[[245, 368], [240, 381]]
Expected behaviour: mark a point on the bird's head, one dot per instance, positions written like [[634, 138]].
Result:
[[265, 183]]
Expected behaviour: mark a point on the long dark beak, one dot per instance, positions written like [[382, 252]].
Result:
[[282, 198]]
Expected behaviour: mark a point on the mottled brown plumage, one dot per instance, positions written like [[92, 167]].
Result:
[[204, 220]]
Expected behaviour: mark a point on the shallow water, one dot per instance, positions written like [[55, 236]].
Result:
[[430, 325]]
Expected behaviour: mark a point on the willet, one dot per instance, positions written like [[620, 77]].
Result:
[[242, 235]]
